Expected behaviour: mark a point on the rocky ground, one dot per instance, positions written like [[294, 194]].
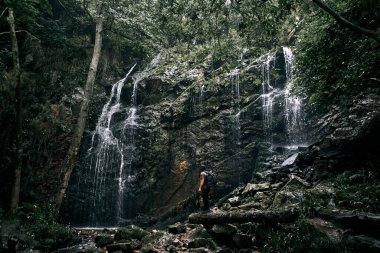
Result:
[[320, 198], [293, 206]]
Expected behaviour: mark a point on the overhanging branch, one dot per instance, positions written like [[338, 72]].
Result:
[[344, 22], [25, 31]]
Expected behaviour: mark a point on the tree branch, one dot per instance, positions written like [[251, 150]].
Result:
[[344, 22], [25, 31], [3, 12]]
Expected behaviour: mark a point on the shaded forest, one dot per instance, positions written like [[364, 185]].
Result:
[[110, 108]]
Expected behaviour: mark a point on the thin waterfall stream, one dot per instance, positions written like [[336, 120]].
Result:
[[235, 119], [108, 174], [293, 105]]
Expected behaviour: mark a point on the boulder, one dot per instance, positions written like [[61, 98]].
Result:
[[290, 161], [202, 242], [234, 201], [250, 188], [242, 240], [123, 247], [223, 233], [130, 232], [103, 240], [177, 228]]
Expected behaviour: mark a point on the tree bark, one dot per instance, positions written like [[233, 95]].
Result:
[[18, 99], [344, 22], [270, 217], [81, 122]]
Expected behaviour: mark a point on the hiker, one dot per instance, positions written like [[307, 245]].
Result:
[[204, 189]]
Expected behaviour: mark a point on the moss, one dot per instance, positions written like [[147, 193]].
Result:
[[358, 190], [130, 232], [296, 238], [39, 226]]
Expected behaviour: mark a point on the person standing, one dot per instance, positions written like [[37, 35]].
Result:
[[204, 189]]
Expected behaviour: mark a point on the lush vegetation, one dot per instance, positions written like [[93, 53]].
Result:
[[56, 38], [297, 238], [332, 61]]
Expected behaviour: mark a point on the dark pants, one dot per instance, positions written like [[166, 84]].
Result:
[[206, 203]]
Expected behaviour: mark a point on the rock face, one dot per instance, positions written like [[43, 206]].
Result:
[[183, 120]]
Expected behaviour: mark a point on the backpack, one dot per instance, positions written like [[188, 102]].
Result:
[[211, 179]]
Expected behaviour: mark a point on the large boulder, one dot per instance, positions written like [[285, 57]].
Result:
[[130, 232]]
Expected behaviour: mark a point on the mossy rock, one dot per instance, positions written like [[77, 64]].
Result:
[[130, 232], [148, 248], [202, 242], [103, 240], [123, 247]]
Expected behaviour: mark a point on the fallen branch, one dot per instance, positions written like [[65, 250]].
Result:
[[271, 217]]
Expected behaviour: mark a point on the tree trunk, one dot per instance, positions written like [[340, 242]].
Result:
[[81, 122], [18, 161], [344, 22], [270, 217]]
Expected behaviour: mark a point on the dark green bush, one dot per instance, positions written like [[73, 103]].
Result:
[[300, 237], [358, 190], [42, 230]]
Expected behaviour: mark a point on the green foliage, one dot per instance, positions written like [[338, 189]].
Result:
[[358, 190], [26, 11], [297, 238], [130, 232], [316, 197], [43, 232], [332, 60]]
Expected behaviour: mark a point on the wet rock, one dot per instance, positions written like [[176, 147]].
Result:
[[130, 232], [226, 207], [202, 242], [103, 240], [277, 186], [250, 188], [223, 233], [242, 240], [290, 161], [171, 249], [235, 201], [123, 247], [149, 248], [226, 250], [177, 228]]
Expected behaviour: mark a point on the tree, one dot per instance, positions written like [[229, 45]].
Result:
[[70, 159], [18, 98], [344, 22]]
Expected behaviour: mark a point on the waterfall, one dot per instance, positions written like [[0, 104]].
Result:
[[201, 97], [106, 147], [293, 112], [268, 94], [108, 164], [235, 120], [235, 83]]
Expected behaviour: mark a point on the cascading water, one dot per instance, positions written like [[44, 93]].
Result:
[[293, 112], [235, 83], [235, 119], [268, 95], [106, 148], [201, 97], [108, 175]]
